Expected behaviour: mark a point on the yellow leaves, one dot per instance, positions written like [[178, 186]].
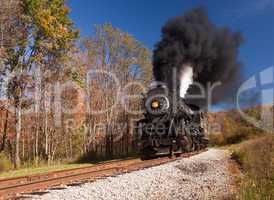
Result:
[[51, 23], [46, 21], [128, 40], [63, 30], [66, 9], [51, 26]]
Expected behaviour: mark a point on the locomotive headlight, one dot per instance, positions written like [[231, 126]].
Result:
[[155, 104]]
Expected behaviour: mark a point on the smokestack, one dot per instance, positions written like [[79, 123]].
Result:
[[211, 51]]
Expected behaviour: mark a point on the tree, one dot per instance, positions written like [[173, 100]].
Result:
[[119, 53], [44, 35]]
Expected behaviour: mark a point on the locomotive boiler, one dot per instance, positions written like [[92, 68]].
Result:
[[170, 125]]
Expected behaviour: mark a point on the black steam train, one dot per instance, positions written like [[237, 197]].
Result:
[[170, 125]]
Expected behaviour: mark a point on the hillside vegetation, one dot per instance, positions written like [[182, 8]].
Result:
[[253, 149], [256, 158]]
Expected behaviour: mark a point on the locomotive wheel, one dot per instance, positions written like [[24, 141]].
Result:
[[197, 147], [195, 144], [187, 144], [145, 157], [147, 153], [171, 153], [178, 155]]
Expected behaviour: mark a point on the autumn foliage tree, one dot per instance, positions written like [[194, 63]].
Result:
[[44, 35], [40, 54], [127, 60]]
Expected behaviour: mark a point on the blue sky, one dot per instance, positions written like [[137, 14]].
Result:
[[144, 19]]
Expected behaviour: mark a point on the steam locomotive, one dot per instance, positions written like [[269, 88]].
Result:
[[170, 125]]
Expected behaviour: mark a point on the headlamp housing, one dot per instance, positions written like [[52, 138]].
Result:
[[157, 105]]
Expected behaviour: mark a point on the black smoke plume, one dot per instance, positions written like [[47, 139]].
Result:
[[212, 51]]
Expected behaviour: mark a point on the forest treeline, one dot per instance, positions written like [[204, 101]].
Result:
[[54, 83]]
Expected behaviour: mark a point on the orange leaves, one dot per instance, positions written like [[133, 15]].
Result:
[[51, 23]]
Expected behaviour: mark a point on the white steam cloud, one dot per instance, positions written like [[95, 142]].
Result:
[[186, 79]]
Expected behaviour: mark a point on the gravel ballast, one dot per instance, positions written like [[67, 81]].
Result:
[[203, 176]]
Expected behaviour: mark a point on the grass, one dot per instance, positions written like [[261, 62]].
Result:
[[5, 163], [39, 170], [30, 170], [256, 159]]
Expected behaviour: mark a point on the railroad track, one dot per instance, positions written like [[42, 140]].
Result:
[[14, 188]]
